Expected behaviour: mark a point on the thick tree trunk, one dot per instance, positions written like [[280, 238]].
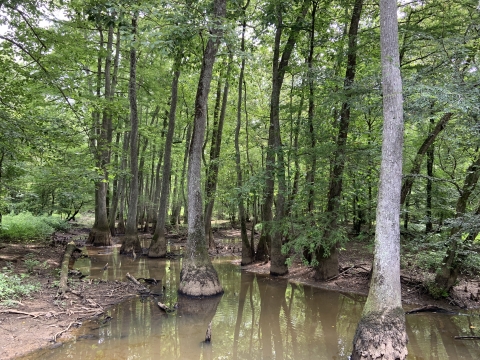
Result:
[[327, 257], [381, 332], [130, 242], [198, 276], [158, 246]]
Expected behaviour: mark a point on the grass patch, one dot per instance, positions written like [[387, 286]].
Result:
[[25, 227]]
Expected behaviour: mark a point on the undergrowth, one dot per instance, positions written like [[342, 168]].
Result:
[[25, 227], [13, 287]]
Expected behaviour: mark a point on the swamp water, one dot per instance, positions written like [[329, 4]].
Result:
[[256, 318]]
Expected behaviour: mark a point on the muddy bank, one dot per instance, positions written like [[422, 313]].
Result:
[[45, 319]]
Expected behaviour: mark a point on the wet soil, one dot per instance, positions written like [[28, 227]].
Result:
[[45, 319]]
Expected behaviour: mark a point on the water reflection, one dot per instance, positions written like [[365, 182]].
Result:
[[257, 318]]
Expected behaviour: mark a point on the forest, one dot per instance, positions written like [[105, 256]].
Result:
[[267, 115]]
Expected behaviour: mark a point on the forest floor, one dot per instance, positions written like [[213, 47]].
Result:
[[45, 320]]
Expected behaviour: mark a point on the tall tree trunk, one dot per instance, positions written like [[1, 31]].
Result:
[[100, 233], [381, 332], [130, 242], [428, 212], [158, 246], [213, 165], [188, 137], [327, 253], [312, 163], [280, 64], [198, 276], [247, 250], [417, 162]]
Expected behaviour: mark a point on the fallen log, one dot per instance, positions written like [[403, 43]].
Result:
[[467, 337], [143, 289], [63, 283]]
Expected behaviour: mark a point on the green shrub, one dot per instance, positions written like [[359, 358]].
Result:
[[57, 223], [15, 286], [26, 227]]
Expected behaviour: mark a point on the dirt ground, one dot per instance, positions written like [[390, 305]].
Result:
[[45, 319]]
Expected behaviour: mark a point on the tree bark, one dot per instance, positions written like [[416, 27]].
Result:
[[130, 242], [198, 276], [327, 253], [158, 246], [381, 332]]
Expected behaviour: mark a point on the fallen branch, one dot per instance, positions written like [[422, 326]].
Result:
[[163, 307], [34, 314], [136, 282], [65, 330], [431, 308], [359, 266], [467, 337]]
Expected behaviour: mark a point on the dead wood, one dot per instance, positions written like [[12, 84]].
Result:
[[430, 308], [164, 307], [65, 330], [63, 284], [132, 278], [208, 335], [467, 337]]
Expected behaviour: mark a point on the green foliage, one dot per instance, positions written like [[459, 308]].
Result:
[[28, 228], [14, 286]]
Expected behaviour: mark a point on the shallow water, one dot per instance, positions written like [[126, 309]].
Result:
[[256, 318]]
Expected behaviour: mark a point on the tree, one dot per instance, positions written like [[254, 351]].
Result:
[[198, 276], [130, 242], [381, 332], [158, 246]]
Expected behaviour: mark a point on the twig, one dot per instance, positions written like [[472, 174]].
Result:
[[68, 328]]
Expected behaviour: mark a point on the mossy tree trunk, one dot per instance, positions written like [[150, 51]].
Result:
[[381, 332], [130, 242], [198, 276]]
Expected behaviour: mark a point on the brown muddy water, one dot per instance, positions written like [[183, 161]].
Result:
[[256, 318]]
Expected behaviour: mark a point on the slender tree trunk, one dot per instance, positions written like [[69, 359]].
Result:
[[198, 276], [312, 163], [381, 332], [158, 246], [247, 250], [280, 64], [184, 171], [130, 242], [417, 162], [213, 165], [100, 233], [428, 213], [327, 255]]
